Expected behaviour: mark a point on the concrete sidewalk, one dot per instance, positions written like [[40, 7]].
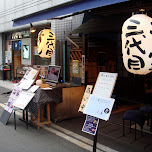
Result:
[[6, 84], [68, 134]]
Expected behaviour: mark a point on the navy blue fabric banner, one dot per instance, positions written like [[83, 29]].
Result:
[[63, 10]]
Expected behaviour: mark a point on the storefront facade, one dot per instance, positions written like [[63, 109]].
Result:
[[100, 44]]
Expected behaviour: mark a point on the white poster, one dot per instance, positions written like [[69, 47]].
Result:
[[25, 84], [23, 99], [16, 91], [105, 84], [30, 73], [14, 95], [99, 107], [9, 106], [8, 56], [33, 88]]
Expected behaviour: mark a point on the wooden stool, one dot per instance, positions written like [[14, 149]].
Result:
[[40, 119]]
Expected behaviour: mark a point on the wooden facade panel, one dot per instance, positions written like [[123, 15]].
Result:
[[92, 70], [68, 108]]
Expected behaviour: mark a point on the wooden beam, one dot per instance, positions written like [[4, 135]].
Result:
[[72, 42]]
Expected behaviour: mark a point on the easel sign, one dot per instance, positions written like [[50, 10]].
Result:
[[85, 98], [103, 90], [9, 106]]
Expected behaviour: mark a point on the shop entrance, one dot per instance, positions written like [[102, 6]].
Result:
[[16, 53]]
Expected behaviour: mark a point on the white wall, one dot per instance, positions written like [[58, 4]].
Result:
[[12, 9]]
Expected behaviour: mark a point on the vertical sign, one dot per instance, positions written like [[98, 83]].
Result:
[[83, 69], [85, 98]]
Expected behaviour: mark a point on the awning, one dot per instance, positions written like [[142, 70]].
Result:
[[101, 24], [79, 6]]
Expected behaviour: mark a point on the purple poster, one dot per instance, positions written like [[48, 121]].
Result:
[[91, 124]]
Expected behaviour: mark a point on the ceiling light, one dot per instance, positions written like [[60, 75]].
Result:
[[32, 29]]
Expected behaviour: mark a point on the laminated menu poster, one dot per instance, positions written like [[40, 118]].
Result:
[[25, 83], [30, 73], [91, 124], [99, 107], [14, 95], [33, 88], [23, 99], [9, 105], [28, 79], [105, 84], [16, 91]]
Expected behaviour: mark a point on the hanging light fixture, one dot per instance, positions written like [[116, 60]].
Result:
[[32, 29], [46, 43], [137, 44]]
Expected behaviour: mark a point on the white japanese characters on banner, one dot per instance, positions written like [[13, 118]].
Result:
[[136, 44]]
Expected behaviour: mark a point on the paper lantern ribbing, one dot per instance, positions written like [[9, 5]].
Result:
[[137, 44], [46, 43]]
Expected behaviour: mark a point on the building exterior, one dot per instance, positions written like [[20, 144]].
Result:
[[10, 36], [100, 35]]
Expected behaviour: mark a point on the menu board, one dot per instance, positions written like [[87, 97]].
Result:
[[105, 84], [23, 99], [30, 73], [100, 104], [25, 83], [14, 95]]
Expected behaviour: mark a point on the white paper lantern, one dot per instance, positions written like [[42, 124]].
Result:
[[46, 43], [137, 44]]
